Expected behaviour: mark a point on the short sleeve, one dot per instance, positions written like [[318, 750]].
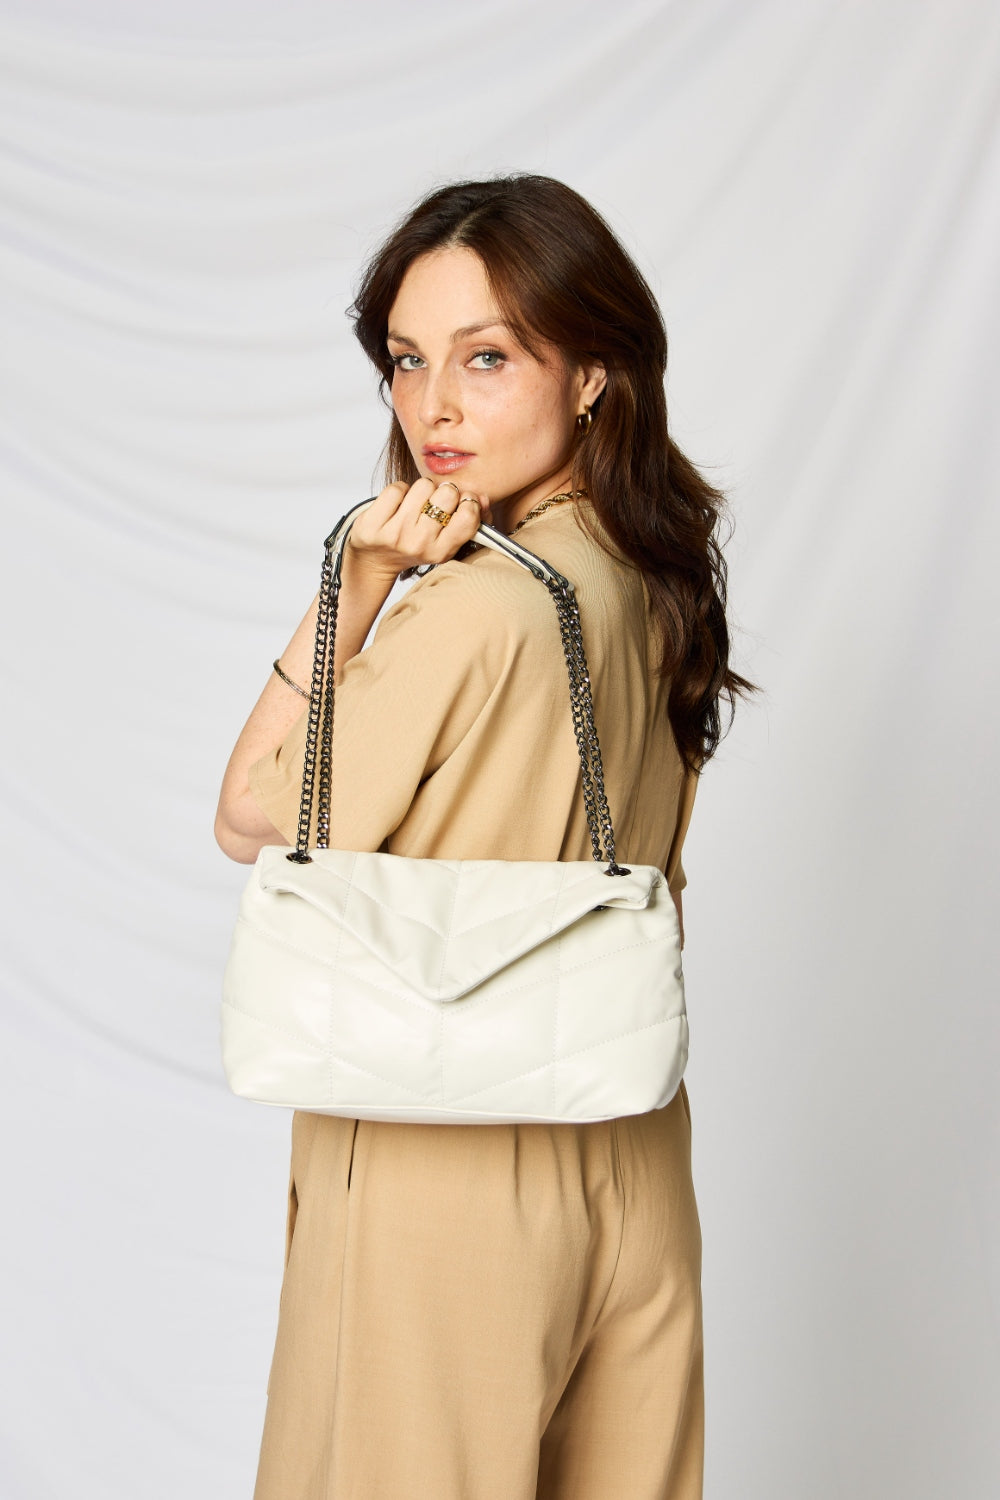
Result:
[[676, 878], [400, 709]]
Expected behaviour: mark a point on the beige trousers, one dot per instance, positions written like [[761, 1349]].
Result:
[[488, 1312]]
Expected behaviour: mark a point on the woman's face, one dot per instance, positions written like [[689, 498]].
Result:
[[474, 405]]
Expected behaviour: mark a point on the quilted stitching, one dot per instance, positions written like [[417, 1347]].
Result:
[[459, 1099], [444, 958], [527, 1039], [273, 878], [293, 1036], [400, 991]]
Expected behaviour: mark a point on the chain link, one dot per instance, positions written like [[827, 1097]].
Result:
[[326, 614], [588, 746], [319, 729]]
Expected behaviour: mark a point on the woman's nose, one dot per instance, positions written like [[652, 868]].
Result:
[[439, 398]]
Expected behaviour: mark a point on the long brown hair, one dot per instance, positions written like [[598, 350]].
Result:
[[560, 277]]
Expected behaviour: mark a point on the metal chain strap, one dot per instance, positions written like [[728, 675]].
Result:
[[560, 599], [326, 730], [319, 728], [325, 628], [595, 799]]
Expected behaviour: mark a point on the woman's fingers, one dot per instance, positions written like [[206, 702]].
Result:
[[424, 522], [438, 506], [457, 514], [386, 504]]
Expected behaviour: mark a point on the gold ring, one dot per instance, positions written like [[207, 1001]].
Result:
[[442, 517], [452, 483]]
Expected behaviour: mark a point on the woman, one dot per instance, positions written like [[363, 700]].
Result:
[[499, 1312]]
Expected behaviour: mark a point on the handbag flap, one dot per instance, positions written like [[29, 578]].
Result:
[[445, 926]]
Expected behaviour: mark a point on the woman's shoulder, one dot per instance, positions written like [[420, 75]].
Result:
[[570, 539], [486, 603], [573, 541], [468, 618], [480, 592]]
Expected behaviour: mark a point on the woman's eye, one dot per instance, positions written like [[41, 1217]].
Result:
[[487, 359], [405, 361]]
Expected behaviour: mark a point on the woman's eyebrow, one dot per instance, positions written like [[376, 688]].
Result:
[[473, 328], [460, 333]]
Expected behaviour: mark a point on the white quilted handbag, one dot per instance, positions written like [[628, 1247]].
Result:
[[453, 991]]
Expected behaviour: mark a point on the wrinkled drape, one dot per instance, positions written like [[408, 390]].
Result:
[[814, 191]]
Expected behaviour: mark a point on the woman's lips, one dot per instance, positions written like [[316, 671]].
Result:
[[445, 460]]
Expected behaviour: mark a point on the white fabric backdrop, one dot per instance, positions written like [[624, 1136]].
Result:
[[813, 187]]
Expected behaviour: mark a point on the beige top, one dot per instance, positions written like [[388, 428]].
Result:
[[453, 737]]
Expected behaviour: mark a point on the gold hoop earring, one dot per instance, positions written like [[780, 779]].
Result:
[[584, 420]]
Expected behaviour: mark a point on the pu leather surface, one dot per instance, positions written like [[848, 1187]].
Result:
[[472, 992]]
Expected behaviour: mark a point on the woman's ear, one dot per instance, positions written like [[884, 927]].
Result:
[[595, 378]]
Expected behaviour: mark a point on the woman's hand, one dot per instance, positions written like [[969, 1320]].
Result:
[[396, 532], [393, 534]]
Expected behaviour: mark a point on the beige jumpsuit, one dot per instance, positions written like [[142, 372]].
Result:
[[492, 1312]]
